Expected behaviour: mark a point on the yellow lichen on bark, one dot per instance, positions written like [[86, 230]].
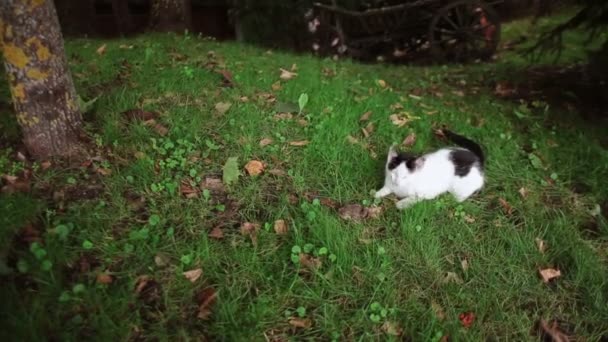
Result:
[[35, 3], [18, 92], [36, 74], [42, 52], [27, 120], [14, 55]]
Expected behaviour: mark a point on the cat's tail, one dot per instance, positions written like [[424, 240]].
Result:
[[466, 143]]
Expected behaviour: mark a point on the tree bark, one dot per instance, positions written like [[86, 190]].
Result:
[[171, 15], [42, 89], [124, 23]]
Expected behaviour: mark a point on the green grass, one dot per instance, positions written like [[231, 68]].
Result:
[[399, 260]]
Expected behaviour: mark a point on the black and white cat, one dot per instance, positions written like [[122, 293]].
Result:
[[457, 170]]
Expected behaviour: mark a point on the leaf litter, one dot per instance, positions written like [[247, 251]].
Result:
[[193, 275], [254, 167], [548, 274]]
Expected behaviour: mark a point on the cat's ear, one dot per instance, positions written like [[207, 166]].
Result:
[[415, 163]]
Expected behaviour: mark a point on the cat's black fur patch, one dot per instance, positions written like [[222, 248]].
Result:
[[463, 161], [403, 157]]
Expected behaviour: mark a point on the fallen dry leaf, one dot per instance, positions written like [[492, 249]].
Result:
[[410, 140], [265, 142], [352, 139], [160, 129], [549, 274], [302, 122], [354, 212], [396, 106], [280, 227], [251, 229], [101, 50], [286, 74], [392, 328], [504, 89], [104, 172], [298, 322], [467, 319], [458, 93], [309, 261], [104, 278], [186, 189], [541, 245], [45, 165], [193, 275], [216, 233], [506, 206], [365, 116], [452, 277], [222, 107], [213, 185], [161, 260], [299, 143], [205, 299], [382, 83], [277, 172], [369, 129], [468, 218], [254, 167], [554, 331], [227, 79], [397, 120], [276, 86], [523, 192], [464, 263], [283, 116]]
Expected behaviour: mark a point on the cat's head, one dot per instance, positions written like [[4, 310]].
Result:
[[402, 164]]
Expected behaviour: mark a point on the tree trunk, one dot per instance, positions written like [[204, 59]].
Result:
[[171, 15], [41, 86], [124, 23]]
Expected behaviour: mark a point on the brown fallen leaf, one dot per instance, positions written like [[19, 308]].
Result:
[[365, 116], [277, 172], [276, 86], [222, 107], [104, 278], [541, 245], [464, 263], [410, 140], [452, 277], [392, 328], [280, 227], [103, 171], [458, 93], [397, 120], [309, 261], [286, 74], [216, 233], [160, 129], [369, 129], [227, 79], [523, 192], [205, 299], [193, 275], [45, 165], [299, 143], [549, 274], [265, 142], [382, 83], [468, 218], [298, 322], [302, 122], [101, 50], [554, 331], [213, 184], [161, 260], [504, 89], [254, 167], [506, 206], [353, 212], [439, 133], [283, 116], [186, 189], [251, 229], [396, 106]]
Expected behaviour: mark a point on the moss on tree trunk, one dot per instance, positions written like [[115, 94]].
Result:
[[41, 86]]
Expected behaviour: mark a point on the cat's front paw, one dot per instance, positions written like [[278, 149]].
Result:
[[382, 193]]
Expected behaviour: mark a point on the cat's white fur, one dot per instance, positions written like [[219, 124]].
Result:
[[434, 175]]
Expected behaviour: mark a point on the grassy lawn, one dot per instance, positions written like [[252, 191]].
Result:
[[99, 249]]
